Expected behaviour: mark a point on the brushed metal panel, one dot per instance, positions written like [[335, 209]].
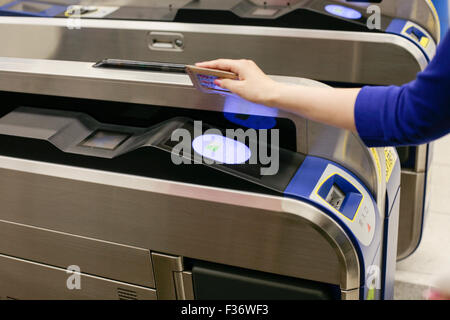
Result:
[[350, 294], [188, 285], [421, 158], [253, 231], [411, 212], [100, 258], [311, 53], [165, 267], [419, 11], [21, 279]]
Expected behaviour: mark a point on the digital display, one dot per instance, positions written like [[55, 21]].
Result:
[[335, 197], [343, 12], [221, 149], [105, 140], [207, 82]]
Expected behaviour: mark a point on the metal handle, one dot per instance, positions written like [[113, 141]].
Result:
[[165, 41]]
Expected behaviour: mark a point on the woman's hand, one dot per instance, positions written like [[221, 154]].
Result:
[[328, 105], [253, 83]]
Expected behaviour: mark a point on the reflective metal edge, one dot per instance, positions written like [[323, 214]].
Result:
[[184, 285], [271, 212], [165, 267], [350, 294], [188, 285], [437, 34], [337, 238], [22, 279], [421, 158]]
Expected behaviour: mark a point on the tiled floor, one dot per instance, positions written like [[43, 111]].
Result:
[[432, 258]]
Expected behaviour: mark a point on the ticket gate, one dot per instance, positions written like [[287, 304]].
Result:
[[89, 185], [324, 40]]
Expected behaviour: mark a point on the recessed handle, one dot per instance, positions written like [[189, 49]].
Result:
[[165, 41]]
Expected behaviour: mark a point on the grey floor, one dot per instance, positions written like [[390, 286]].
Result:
[[417, 272]]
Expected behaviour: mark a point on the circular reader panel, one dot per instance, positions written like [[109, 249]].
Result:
[[221, 149]]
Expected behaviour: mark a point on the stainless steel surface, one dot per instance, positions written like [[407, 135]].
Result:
[[421, 158], [166, 268], [21, 279], [184, 285], [287, 237], [350, 294], [311, 53], [99, 258], [421, 12], [411, 212], [80, 79], [188, 286]]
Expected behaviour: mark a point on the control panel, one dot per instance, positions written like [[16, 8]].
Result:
[[414, 33], [342, 194]]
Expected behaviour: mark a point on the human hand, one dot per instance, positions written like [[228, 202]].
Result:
[[253, 84]]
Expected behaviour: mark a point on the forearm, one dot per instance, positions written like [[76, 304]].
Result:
[[331, 106]]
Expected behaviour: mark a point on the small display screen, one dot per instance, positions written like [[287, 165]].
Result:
[[105, 140], [208, 82], [335, 197]]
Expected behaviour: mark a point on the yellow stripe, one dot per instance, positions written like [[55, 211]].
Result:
[[377, 161], [424, 42]]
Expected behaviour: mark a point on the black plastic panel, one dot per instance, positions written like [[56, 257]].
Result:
[[220, 282], [148, 161], [135, 115], [300, 18]]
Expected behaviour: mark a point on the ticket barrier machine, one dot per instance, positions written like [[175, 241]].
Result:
[[88, 184], [324, 40]]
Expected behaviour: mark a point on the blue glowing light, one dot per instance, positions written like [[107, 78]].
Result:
[[251, 121], [248, 114], [343, 12], [221, 149]]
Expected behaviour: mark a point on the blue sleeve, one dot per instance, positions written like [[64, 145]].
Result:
[[412, 114]]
